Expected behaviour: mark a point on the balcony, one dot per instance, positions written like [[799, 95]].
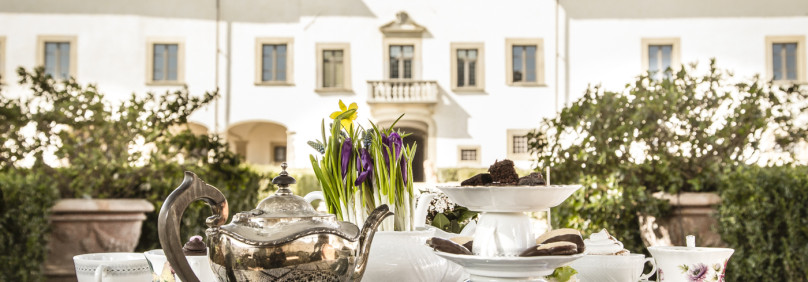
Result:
[[403, 91]]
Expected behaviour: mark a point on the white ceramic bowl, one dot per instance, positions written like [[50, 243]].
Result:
[[608, 268], [118, 267], [405, 256], [509, 198], [199, 264], [509, 267]]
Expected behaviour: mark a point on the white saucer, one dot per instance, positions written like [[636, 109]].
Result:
[[510, 267], [509, 198]]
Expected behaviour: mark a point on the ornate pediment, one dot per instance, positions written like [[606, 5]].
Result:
[[403, 26]]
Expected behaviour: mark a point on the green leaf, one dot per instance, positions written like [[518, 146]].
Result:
[[441, 221]]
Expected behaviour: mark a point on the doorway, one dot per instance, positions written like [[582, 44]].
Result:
[[416, 137]]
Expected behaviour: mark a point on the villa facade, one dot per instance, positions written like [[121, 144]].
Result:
[[472, 77]]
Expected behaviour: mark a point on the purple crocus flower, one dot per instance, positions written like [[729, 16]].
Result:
[[697, 272], [366, 163], [395, 143], [347, 151], [404, 169]]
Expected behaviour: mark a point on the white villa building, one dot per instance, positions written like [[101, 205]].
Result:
[[472, 76]]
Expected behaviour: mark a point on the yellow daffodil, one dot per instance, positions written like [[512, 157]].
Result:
[[346, 122]]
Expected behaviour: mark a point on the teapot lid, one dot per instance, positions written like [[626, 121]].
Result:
[[284, 203], [283, 217]]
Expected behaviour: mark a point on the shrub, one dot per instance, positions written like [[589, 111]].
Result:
[[138, 148], [25, 201], [763, 217], [679, 133]]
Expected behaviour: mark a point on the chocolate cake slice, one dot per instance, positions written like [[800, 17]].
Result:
[[551, 249], [478, 180], [533, 179], [563, 235], [503, 172]]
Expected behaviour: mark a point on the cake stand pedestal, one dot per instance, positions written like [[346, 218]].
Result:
[[504, 231]]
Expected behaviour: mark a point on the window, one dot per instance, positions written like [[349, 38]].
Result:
[[165, 62], [467, 67], [241, 148], [468, 155], [2, 59], [279, 154], [333, 67], [525, 62], [785, 58], [659, 54], [58, 55], [518, 144], [402, 58], [274, 61]]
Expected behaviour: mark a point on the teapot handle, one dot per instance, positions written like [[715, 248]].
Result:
[[169, 220]]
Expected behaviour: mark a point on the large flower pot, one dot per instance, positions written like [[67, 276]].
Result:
[[691, 214], [80, 226]]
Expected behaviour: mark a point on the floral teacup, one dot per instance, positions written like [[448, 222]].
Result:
[[687, 264]]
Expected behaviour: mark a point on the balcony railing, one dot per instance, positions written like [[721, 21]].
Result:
[[402, 91]]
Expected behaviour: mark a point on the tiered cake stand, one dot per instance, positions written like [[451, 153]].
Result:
[[504, 231]]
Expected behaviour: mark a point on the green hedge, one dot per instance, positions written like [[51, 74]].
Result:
[[764, 217], [25, 201]]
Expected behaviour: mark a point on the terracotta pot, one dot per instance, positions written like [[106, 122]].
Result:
[[691, 214], [81, 226]]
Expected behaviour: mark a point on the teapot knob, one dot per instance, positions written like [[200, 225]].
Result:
[[283, 180]]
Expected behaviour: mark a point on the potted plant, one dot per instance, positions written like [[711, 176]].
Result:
[[362, 168]]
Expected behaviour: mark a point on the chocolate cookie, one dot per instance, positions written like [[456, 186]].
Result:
[[447, 246], [563, 235], [467, 242], [551, 249]]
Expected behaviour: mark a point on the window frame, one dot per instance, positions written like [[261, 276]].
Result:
[[416, 56], [676, 59], [479, 71], [540, 72], [2, 59], [70, 39], [461, 162], [346, 67], [150, 61], [511, 133], [800, 40], [290, 55]]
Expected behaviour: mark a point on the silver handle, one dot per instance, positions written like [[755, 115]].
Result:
[[168, 223]]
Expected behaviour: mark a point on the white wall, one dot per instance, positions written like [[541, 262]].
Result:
[[601, 44]]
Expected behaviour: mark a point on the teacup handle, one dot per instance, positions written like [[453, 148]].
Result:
[[99, 273], [645, 276]]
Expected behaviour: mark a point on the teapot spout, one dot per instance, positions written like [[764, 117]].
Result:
[[366, 238]]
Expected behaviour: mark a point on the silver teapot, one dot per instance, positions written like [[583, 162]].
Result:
[[283, 239]]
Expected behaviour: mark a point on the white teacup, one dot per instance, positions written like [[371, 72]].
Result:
[[608, 268], [118, 267], [199, 264]]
